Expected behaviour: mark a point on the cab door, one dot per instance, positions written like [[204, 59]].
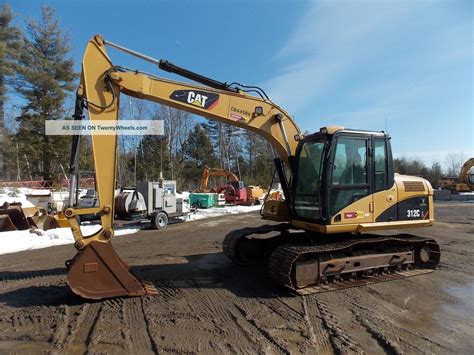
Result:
[[350, 180], [384, 198]]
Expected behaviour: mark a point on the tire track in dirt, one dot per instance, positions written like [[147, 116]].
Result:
[[281, 308], [382, 328], [389, 346], [260, 330], [230, 326], [313, 317], [81, 327], [339, 339], [199, 320], [108, 334], [167, 291], [59, 337], [138, 331], [13, 280]]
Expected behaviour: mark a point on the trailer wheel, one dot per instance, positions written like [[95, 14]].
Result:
[[159, 220]]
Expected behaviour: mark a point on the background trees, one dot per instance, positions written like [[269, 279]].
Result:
[[10, 43], [45, 77], [37, 72]]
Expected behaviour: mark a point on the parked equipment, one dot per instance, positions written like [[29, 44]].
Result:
[[236, 193], [338, 184], [154, 201], [462, 183], [215, 172], [161, 202], [129, 204], [203, 199], [15, 217]]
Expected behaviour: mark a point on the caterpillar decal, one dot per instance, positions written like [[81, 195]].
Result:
[[201, 99]]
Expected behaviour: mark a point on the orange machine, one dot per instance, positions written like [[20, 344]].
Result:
[[210, 172]]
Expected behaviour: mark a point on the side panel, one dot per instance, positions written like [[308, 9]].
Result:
[[384, 201], [413, 208]]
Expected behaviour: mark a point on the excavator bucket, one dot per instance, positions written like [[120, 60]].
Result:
[[16, 215], [6, 224], [97, 272], [30, 211], [43, 222]]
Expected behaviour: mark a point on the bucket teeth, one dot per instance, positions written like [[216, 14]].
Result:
[[150, 289]]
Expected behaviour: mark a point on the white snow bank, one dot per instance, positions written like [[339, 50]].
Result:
[[11, 195], [221, 211], [184, 194], [12, 242]]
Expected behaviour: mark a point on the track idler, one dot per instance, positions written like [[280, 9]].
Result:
[[97, 272]]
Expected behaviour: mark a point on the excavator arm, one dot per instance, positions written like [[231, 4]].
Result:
[[464, 176], [208, 172], [99, 91]]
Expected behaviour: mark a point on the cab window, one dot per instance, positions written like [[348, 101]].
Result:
[[350, 163], [308, 182], [380, 165], [349, 181]]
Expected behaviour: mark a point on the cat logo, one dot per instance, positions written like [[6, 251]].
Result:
[[201, 99]]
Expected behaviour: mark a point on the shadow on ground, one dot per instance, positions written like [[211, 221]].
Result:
[[212, 270]]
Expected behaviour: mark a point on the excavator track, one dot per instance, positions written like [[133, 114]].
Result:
[[242, 249], [313, 263], [399, 256]]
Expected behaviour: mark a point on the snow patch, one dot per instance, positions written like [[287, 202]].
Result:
[[15, 241], [221, 211]]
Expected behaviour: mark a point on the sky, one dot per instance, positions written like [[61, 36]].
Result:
[[405, 67]]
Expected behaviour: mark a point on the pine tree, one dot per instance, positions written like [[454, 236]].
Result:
[[10, 44], [435, 174], [263, 164], [152, 157], [46, 77], [215, 131], [226, 140], [197, 152]]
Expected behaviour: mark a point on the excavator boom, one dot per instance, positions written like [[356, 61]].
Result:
[[97, 271]]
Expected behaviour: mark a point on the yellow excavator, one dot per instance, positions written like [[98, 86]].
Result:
[[339, 186], [462, 183]]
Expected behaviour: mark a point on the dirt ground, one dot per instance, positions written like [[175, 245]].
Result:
[[208, 305]]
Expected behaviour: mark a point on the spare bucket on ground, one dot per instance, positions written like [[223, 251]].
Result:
[[16, 214], [6, 224]]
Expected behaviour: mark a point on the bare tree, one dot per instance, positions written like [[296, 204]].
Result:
[[132, 109], [454, 162], [177, 126]]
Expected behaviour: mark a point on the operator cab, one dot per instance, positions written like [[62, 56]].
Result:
[[336, 167]]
